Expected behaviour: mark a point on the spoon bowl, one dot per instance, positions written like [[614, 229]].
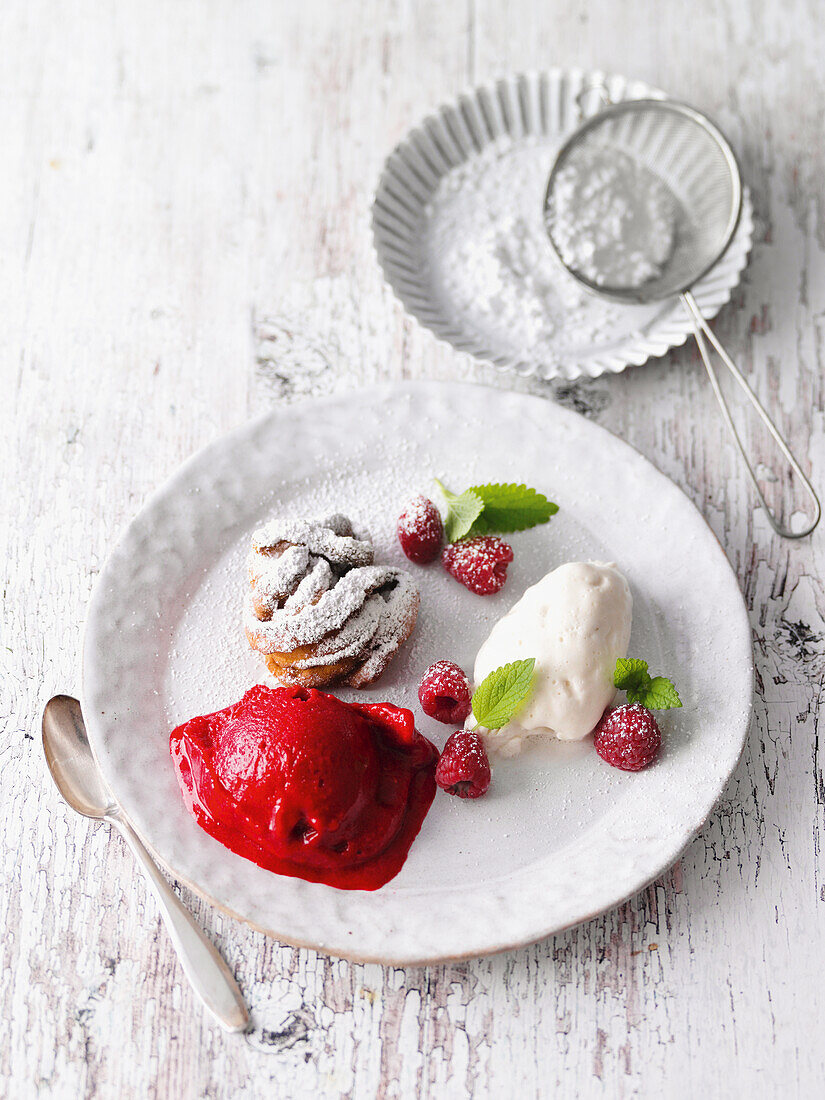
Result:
[[70, 759], [80, 782]]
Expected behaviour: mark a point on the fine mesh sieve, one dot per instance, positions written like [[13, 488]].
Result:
[[691, 157]]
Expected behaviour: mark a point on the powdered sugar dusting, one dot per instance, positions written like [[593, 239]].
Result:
[[445, 692], [613, 220], [416, 514], [331, 538], [486, 247], [313, 585], [420, 530]]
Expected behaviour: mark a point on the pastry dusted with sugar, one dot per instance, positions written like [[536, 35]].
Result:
[[319, 610]]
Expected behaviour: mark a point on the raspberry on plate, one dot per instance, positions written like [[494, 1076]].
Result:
[[479, 563], [463, 767], [628, 737], [420, 530], [445, 693]]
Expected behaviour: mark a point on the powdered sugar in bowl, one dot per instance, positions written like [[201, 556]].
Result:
[[459, 233], [612, 219]]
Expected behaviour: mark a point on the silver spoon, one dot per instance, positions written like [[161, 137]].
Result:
[[75, 771]]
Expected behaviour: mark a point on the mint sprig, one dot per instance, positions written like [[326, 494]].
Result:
[[462, 510], [510, 507], [500, 695], [654, 692], [495, 508]]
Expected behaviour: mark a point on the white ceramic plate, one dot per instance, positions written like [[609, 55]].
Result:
[[560, 836], [517, 124]]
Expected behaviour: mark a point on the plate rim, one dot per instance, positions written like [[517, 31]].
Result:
[[403, 957]]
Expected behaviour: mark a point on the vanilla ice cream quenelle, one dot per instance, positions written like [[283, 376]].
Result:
[[575, 622]]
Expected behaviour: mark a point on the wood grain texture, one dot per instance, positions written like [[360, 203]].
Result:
[[184, 231]]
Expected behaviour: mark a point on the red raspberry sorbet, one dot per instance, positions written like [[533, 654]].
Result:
[[445, 693], [463, 768], [304, 784], [479, 563], [628, 737], [420, 530]]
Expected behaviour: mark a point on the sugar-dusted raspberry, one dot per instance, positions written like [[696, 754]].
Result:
[[628, 737], [420, 530], [463, 767], [445, 693], [479, 563]]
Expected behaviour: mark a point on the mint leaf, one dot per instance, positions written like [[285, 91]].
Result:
[[662, 695], [499, 695], [631, 675], [510, 507], [462, 510], [655, 693]]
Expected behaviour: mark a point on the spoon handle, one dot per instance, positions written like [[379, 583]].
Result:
[[211, 978]]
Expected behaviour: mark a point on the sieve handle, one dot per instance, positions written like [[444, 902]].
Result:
[[701, 331], [595, 86]]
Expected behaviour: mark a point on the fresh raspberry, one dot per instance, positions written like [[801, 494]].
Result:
[[628, 737], [480, 563], [463, 767], [445, 693], [420, 530]]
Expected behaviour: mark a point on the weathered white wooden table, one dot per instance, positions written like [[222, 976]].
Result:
[[184, 237]]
